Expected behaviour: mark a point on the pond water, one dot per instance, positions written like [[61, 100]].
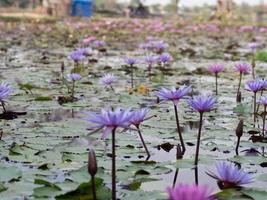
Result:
[[44, 153]]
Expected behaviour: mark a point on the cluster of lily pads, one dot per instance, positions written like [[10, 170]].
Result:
[[111, 119], [227, 175]]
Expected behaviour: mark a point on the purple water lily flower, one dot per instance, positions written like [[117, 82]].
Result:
[[85, 51], [255, 85], [243, 68], [253, 45], [202, 103], [110, 120], [263, 100], [5, 91], [160, 46], [165, 57], [229, 176], [190, 192], [216, 68], [131, 61], [108, 80], [150, 60], [99, 43], [74, 76], [174, 94], [145, 46], [138, 117], [77, 56]]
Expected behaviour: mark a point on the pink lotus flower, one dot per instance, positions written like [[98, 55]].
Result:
[[190, 192], [89, 40], [243, 68], [216, 68]]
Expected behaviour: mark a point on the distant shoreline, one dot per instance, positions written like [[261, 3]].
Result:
[[191, 3]]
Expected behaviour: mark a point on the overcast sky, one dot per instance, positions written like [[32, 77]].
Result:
[[197, 2]]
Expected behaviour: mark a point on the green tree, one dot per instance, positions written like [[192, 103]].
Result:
[[173, 6]]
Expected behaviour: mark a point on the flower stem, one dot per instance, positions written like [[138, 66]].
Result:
[[253, 65], [179, 129], [198, 138], [237, 145], [149, 71], [112, 88], [132, 79], [93, 187], [73, 88], [255, 101], [196, 175], [3, 105], [113, 166], [216, 84], [1, 134], [264, 118], [143, 142], [239, 84], [258, 107], [175, 177]]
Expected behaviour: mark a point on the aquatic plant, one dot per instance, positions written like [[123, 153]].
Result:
[[92, 170], [160, 46], [216, 69], [99, 43], [111, 120], [107, 80], [229, 176], [239, 133], [150, 60], [190, 192], [164, 59], [242, 68], [175, 95], [131, 62], [5, 91], [255, 86], [253, 47], [263, 101], [137, 118], [76, 56], [201, 103], [74, 77]]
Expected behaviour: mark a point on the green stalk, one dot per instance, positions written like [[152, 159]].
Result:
[[198, 138]]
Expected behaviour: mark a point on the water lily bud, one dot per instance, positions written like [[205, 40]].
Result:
[[239, 129], [62, 67], [179, 153], [92, 163], [238, 97], [1, 134]]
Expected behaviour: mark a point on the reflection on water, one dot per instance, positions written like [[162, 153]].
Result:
[[193, 175]]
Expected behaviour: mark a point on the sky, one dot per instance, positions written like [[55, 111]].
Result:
[[196, 2]]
